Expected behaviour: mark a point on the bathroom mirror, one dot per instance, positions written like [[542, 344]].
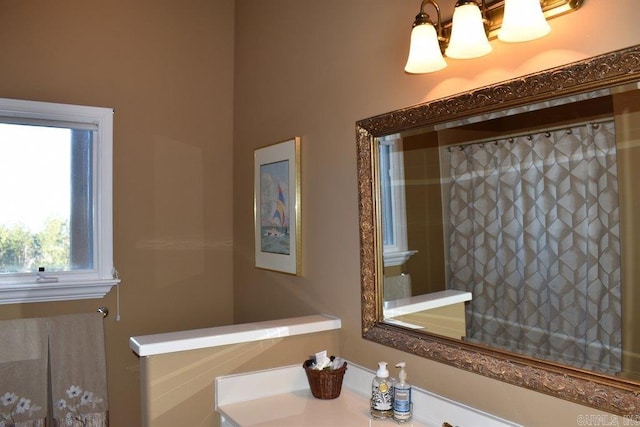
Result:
[[521, 192]]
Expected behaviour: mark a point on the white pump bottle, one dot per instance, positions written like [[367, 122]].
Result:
[[402, 406]]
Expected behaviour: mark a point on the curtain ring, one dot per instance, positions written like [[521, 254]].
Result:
[[510, 140], [547, 134], [529, 138], [569, 131], [595, 125]]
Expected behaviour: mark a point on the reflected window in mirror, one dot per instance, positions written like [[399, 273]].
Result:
[[392, 196]]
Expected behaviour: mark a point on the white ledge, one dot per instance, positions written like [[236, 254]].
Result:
[[58, 291], [149, 345], [419, 303], [392, 259]]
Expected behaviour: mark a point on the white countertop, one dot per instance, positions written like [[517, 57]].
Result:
[[299, 408], [149, 345], [419, 303], [281, 397]]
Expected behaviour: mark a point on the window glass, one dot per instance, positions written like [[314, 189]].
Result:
[[386, 195], [45, 221]]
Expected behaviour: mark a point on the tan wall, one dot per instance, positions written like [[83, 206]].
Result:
[[627, 119], [313, 70], [178, 388], [425, 226], [166, 68]]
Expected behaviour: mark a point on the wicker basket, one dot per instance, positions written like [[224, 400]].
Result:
[[327, 383]]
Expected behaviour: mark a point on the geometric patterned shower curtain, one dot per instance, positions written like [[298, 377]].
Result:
[[53, 372], [534, 236]]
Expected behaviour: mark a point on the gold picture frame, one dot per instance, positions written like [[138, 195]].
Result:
[[276, 206]]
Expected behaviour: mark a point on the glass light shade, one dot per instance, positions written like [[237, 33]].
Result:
[[523, 20], [468, 38], [424, 52]]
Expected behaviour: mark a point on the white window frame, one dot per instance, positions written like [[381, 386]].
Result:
[[21, 288], [396, 253]]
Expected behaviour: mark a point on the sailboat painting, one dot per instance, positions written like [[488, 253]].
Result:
[[274, 209]]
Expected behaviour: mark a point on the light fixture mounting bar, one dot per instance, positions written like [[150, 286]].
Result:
[[495, 12]]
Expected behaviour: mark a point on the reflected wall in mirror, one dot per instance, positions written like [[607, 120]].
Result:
[[498, 230]]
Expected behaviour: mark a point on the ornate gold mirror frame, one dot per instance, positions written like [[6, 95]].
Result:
[[604, 392]]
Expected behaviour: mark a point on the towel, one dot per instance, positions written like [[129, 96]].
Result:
[[23, 372], [78, 370], [397, 287]]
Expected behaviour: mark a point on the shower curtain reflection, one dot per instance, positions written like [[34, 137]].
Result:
[[534, 235]]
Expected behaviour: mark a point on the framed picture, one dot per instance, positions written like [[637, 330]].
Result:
[[276, 204]]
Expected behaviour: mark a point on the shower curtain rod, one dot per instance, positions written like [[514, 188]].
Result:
[[510, 138]]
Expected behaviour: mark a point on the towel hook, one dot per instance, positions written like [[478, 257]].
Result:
[[104, 311]]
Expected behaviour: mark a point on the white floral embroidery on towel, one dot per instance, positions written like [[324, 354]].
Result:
[[16, 405], [78, 406]]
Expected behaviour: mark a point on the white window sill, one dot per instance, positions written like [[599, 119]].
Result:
[[59, 291], [392, 259]]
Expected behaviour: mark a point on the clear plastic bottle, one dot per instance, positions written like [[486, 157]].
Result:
[[402, 406], [382, 393]]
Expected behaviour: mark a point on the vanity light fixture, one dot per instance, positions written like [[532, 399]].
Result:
[[523, 21], [468, 35], [468, 32], [425, 53]]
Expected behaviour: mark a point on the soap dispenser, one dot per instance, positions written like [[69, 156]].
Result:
[[382, 393], [402, 406]]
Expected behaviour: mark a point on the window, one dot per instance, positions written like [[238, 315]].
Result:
[[394, 217], [56, 239]]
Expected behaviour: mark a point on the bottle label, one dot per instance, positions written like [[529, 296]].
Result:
[[402, 401], [382, 397]]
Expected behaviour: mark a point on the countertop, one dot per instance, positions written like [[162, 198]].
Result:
[[281, 397], [300, 408]]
